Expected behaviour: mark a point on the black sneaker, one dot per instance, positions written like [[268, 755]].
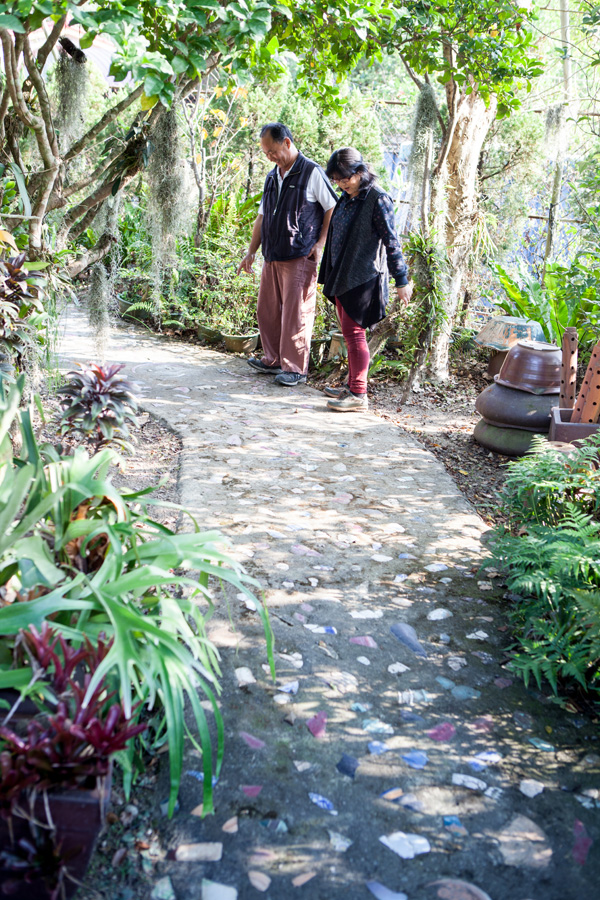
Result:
[[260, 366], [289, 379], [331, 391]]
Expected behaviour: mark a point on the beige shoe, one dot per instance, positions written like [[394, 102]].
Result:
[[348, 402]]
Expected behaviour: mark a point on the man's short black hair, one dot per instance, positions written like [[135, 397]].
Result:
[[277, 131]]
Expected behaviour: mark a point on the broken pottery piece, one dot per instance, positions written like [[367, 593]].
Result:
[[231, 826], [467, 781], [259, 880], [539, 744], [364, 641], [407, 635], [456, 662], [204, 852], [381, 892], [405, 844], [347, 765], [253, 742], [338, 842], [317, 725], [376, 748], [322, 802], [244, 676], [163, 890], [582, 844], [416, 759], [464, 692], [436, 567], [393, 794], [445, 731], [212, 890], [437, 615], [410, 698], [363, 660], [344, 682], [299, 880], [251, 790], [445, 683], [454, 889], [530, 787], [455, 826], [398, 668], [477, 636], [376, 726], [524, 844]]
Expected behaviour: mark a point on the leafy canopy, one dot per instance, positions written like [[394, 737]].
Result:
[[482, 42]]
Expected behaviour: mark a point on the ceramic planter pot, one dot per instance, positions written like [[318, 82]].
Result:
[[241, 343], [337, 346], [532, 366], [143, 315], [507, 441], [509, 408], [78, 817], [208, 334]]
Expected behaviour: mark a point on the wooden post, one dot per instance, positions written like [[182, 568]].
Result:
[[585, 387], [568, 373]]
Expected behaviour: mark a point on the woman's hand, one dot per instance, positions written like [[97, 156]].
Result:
[[405, 293]]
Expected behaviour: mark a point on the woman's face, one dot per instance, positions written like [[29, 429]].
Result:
[[351, 185]]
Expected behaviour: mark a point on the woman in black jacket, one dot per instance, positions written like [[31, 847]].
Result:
[[362, 246]]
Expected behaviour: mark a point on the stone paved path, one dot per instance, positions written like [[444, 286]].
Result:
[[391, 702]]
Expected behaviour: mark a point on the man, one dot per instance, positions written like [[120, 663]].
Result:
[[291, 226]]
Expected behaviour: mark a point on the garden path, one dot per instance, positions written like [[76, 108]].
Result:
[[395, 749]]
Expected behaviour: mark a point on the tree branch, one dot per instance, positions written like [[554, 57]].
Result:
[[92, 256], [509, 162], [108, 117], [48, 45]]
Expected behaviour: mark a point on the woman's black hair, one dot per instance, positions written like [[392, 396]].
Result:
[[347, 162], [277, 131]]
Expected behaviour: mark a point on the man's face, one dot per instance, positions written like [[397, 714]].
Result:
[[280, 154]]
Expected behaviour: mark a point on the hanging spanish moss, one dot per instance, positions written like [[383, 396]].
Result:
[[72, 84], [168, 200], [420, 154], [98, 300], [556, 133]]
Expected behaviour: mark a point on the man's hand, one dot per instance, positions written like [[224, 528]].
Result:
[[316, 252], [246, 264], [404, 293]]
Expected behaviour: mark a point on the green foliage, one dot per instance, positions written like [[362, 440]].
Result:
[[550, 552], [90, 560], [100, 404], [420, 322], [22, 314], [567, 299], [555, 574], [545, 486]]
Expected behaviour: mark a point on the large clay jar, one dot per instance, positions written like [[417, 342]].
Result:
[[510, 408]]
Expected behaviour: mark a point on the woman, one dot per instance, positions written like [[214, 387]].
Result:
[[361, 247]]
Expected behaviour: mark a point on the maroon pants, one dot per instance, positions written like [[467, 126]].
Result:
[[286, 312], [358, 351]]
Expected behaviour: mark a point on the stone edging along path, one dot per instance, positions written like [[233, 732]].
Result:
[[395, 757]]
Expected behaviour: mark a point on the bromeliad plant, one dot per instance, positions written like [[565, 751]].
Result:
[[76, 552], [100, 404]]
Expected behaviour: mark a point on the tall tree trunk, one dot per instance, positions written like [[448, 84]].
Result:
[[457, 183]]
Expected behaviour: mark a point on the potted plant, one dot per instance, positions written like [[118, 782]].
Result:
[[55, 764], [76, 552]]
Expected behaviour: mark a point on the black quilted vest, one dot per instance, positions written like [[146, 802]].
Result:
[[291, 225]]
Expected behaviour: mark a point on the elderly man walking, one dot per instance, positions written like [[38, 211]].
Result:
[[291, 226]]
